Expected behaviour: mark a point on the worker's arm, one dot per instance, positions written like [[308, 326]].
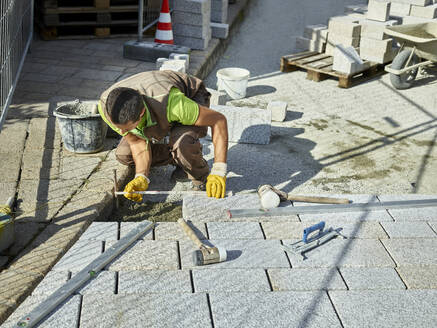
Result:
[[216, 181], [142, 155], [219, 127]]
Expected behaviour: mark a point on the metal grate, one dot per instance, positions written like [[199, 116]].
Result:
[[15, 38]]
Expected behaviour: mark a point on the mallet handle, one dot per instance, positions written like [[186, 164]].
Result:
[[190, 233], [323, 200]]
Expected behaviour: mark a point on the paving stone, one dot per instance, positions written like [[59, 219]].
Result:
[[433, 226], [10, 168], [219, 30], [246, 125], [66, 315], [153, 310], [51, 282], [345, 27], [154, 281], [278, 309], [408, 229], [378, 10], [39, 164], [193, 42], [219, 11], [198, 19], [424, 12], [230, 280], [314, 32], [147, 255], [419, 276], [126, 227], [193, 31], [13, 140], [412, 251], [193, 6], [99, 75], [371, 278], [234, 230], [347, 60], [7, 189], [81, 254], [104, 231], [305, 279], [173, 231], [391, 308], [278, 109], [399, 9], [360, 229], [375, 30], [197, 208], [44, 134], [240, 254], [103, 283], [411, 214], [78, 167], [24, 234], [343, 253]]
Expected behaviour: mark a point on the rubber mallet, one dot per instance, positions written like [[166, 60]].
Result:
[[205, 254]]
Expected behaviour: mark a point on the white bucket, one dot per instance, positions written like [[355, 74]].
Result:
[[234, 81]]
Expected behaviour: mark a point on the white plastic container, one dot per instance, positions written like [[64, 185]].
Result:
[[234, 81]]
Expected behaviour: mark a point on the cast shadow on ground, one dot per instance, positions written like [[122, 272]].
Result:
[[257, 90]]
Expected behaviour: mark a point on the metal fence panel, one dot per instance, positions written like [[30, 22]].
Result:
[[15, 38]]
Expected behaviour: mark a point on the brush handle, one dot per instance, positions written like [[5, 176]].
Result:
[[190, 233]]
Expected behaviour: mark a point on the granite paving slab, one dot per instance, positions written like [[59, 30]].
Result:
[[147, 255], [103, 231], [411, 214], [75, 167], [292, 230], [401, 229], [391, 308], [25, 232], [126, 227], [103, 283], [147, 310], [7, 189], [305, 279], [154, 281], [339, 252], [10, 170], [371, 278], [66, 315], [79, 256], [51, 282], [234, 230], [412, 251], [230, 280], [433, 226], [240, 254], [278, 309], [39, 164], [419, 276], [173, 231]]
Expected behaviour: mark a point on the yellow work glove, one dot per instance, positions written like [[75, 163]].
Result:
[[139, 183], [216, 181]]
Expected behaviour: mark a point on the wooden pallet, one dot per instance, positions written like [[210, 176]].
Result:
[[319, 68]]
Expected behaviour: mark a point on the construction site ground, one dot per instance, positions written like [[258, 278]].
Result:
[[369, 143]]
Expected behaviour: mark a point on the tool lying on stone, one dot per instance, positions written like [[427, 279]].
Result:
[[89, 272], [205, 254], [270, 197], [307, 243], [7, 229]]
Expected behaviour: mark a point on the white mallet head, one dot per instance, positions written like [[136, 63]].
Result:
[[268, 198]]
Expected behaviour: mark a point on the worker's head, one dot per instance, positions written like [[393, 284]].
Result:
[[125, 108]]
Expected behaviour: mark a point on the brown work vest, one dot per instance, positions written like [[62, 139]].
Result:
[[155, 86]]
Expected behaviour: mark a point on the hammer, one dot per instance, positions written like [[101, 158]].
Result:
[[205, 254], [270, 197]]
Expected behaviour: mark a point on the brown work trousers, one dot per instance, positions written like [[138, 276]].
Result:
[[184, 148]]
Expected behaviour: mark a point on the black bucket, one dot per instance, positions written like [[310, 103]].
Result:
[[82, 129]]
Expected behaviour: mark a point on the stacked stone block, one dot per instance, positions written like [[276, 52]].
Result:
[[375, 45], [347, 60], [414, 11], [344, 30], [191, 23], [314, 38], [219, 11]]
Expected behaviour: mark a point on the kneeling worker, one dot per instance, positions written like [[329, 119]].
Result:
[[161, 116]]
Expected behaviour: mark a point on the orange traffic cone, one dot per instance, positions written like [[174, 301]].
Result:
[[164, 32]]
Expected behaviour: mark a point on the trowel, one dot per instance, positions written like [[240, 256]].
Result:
[[309, 242]]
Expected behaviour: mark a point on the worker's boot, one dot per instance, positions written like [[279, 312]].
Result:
[[179, 175]]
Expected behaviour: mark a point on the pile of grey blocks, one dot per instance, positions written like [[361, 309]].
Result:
[[314, 38], [191, 23], [195, 22], [414, 11], [246, 125], [344, 30]]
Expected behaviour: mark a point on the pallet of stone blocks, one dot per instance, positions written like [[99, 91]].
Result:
[[319, 68], [90, 18]]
